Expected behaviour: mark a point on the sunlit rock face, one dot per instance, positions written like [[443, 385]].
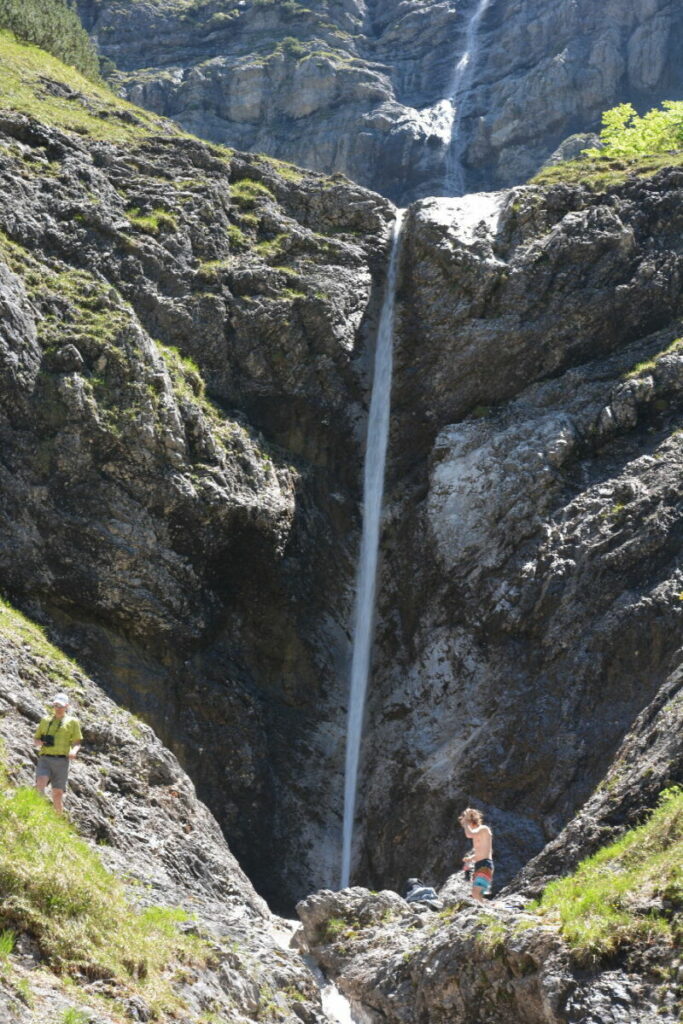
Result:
[[529, 603], [368, 88]]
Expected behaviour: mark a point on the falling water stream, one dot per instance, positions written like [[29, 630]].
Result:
[[376, 447], [373, 490], [459, 84]]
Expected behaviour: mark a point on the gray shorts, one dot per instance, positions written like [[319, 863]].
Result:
[[56, 769]]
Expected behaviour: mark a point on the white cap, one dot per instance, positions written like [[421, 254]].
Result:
[[60, 700]]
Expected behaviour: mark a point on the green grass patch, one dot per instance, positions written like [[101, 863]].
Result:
[[55, 888], [272, 246], [17, 627], [7, 940], [290, 172], [649, 364], [247, 193], [602, 172], [155, 222], [185, 374], [74, 1016], [629, 892], [35, 83], [237, 238], [491, 933]]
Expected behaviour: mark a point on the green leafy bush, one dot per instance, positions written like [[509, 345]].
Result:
[[625, 133], [53, 26]]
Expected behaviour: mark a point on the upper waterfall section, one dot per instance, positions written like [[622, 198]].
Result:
[[365, 86]]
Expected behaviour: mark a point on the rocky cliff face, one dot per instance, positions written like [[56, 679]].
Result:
[[185, 334], [194, 549], [366, 87], [508, 961], [530, 598], [131, 799]]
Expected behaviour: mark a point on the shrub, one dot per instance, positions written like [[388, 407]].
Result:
[[293, 47], [53, 26], [625, 133]]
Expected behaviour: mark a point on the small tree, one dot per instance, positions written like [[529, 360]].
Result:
[[626, 133]]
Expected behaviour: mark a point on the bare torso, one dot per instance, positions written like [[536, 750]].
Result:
[[482, 842]]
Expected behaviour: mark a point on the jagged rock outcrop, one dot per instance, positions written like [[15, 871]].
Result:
[[530, 603], [508, 962], [495, 965], [364, 87], [649, 761], [132, 800], [194, 551]]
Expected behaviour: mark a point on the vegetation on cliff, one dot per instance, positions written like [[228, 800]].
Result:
[[626, 133], [55, 889], [54, 26], [629, 893], [630, 144], [35, 83]]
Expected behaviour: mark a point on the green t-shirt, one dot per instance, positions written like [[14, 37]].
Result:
[[66, 732]]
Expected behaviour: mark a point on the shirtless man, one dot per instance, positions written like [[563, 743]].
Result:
[[480, 859]]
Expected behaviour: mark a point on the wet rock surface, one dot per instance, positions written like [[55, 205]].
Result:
[[364, 88]]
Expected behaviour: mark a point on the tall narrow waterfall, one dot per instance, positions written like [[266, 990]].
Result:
[[373, 490], [460, 83]]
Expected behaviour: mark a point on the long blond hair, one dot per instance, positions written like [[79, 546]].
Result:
[[471, 816]]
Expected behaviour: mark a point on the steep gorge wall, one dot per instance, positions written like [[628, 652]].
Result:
[[530, 601], [363, 87], [196, 554], [199, 554]]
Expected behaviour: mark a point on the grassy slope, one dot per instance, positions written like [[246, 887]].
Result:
[[629, 893], [83, 106], [54, 887], [602, 172]]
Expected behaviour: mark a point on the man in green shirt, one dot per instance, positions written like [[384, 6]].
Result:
[[58, 737]]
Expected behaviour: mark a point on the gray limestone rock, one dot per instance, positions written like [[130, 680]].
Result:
[[494, 965], [130, 799], [368, 88], [194, 548], [528, 607]]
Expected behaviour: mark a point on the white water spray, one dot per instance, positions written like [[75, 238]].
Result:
[[373, 491], [459, 85]]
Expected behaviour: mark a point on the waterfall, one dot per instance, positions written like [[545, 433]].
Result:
[[460, 83], [373, 490]]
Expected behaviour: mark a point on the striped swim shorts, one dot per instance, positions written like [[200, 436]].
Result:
[[482, 875]]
